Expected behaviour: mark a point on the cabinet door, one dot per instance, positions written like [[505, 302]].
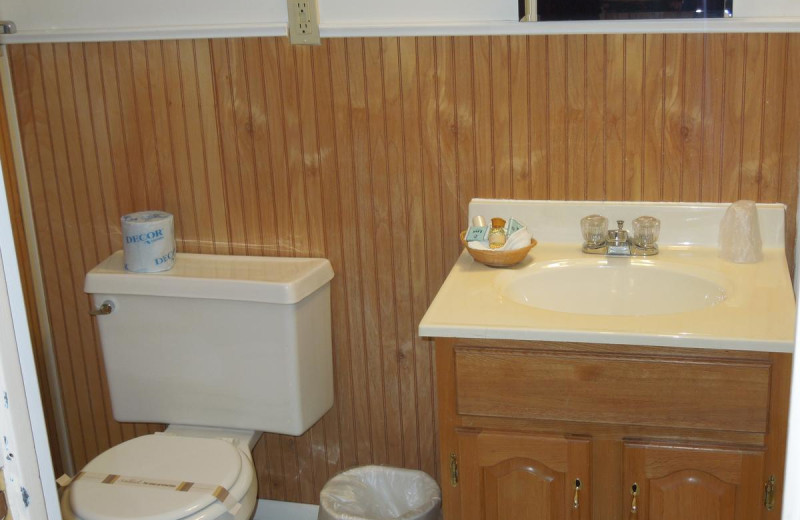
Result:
[[693, 483], [506, 476]]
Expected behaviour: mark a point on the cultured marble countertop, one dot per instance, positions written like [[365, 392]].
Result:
[[758, 312]]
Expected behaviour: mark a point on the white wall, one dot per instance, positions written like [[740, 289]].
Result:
[[44, 15], [765, 8], [56, 19], [362, 12]]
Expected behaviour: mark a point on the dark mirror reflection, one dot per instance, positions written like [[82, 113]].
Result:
[[552, 10]]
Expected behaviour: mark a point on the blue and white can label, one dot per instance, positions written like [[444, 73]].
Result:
[[148, 240]]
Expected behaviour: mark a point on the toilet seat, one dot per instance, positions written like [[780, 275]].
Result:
[[146, 464]]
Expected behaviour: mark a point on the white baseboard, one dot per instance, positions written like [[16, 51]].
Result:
[[277, 510]]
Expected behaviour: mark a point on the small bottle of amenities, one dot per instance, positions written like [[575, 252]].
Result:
[[497, 235]]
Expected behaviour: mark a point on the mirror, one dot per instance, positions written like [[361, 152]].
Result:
[[560, 10]]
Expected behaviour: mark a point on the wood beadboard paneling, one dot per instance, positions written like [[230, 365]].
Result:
[[367, 151], [26, 277]]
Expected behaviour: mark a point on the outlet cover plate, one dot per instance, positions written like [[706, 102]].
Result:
[[303, 22]]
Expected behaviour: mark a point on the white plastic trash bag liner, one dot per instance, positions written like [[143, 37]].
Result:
[[148, 239], [380, 493]]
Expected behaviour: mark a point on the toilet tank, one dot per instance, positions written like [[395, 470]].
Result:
[[225, 341]]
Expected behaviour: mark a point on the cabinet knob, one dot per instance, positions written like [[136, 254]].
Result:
[[634, 494]]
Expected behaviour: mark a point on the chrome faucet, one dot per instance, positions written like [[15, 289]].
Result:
[[599, 240], [618, 242]]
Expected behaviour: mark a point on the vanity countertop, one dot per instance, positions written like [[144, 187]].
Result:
[[756, 313]]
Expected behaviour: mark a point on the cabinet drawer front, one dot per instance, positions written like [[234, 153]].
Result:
[[689, 393]]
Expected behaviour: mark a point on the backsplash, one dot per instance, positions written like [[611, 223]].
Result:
[[367, 151]]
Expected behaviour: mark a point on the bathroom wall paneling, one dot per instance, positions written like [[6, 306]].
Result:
[[26, 277], [367, 151]]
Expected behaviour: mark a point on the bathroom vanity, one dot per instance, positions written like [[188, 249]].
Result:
[[575, 388]]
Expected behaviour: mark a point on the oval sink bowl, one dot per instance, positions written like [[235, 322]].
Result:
[[614, 287]]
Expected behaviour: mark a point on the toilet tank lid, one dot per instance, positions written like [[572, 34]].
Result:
[[282, 280]]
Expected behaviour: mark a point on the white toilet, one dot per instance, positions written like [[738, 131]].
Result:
[[222, 348]]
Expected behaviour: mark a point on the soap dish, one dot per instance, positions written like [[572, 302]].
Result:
[[498, 258]]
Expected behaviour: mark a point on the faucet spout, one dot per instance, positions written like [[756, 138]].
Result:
[[618, 242]]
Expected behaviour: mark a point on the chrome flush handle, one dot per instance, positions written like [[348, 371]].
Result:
[[106, 308]]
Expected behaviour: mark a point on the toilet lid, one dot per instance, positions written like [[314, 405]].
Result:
[[139, 463]]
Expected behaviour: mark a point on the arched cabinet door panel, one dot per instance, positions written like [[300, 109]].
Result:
[[704, 494], [524, 477], [692, 482], [522, 488]]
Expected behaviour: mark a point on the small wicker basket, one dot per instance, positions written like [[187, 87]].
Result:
[[498, 258]]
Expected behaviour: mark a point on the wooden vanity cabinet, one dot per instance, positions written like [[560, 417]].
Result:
[[702, 482], [536, 430], [523, 476]]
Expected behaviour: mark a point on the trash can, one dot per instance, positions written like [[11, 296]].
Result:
[[380, 493]]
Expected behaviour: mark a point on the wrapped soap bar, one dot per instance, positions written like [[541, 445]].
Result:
[[477, 234], [513, 225]]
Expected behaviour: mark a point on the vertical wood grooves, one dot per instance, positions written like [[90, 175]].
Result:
[[683, 116], [741, 137], [367, 152], [625, 106], [26, 277], [703, 89], [93, 372], [339, 367], [723, 126], [34, 162], [763, 117], [89, 431], [783, 118], [547, 117]]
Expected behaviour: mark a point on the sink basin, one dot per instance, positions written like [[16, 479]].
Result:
[[615, 287]]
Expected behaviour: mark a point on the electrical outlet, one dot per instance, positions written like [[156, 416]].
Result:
[[303, 22]]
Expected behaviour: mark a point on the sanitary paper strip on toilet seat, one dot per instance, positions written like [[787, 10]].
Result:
[[218, 492], [148, 239]]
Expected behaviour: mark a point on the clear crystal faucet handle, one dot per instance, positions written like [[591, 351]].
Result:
[[619, 224]]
